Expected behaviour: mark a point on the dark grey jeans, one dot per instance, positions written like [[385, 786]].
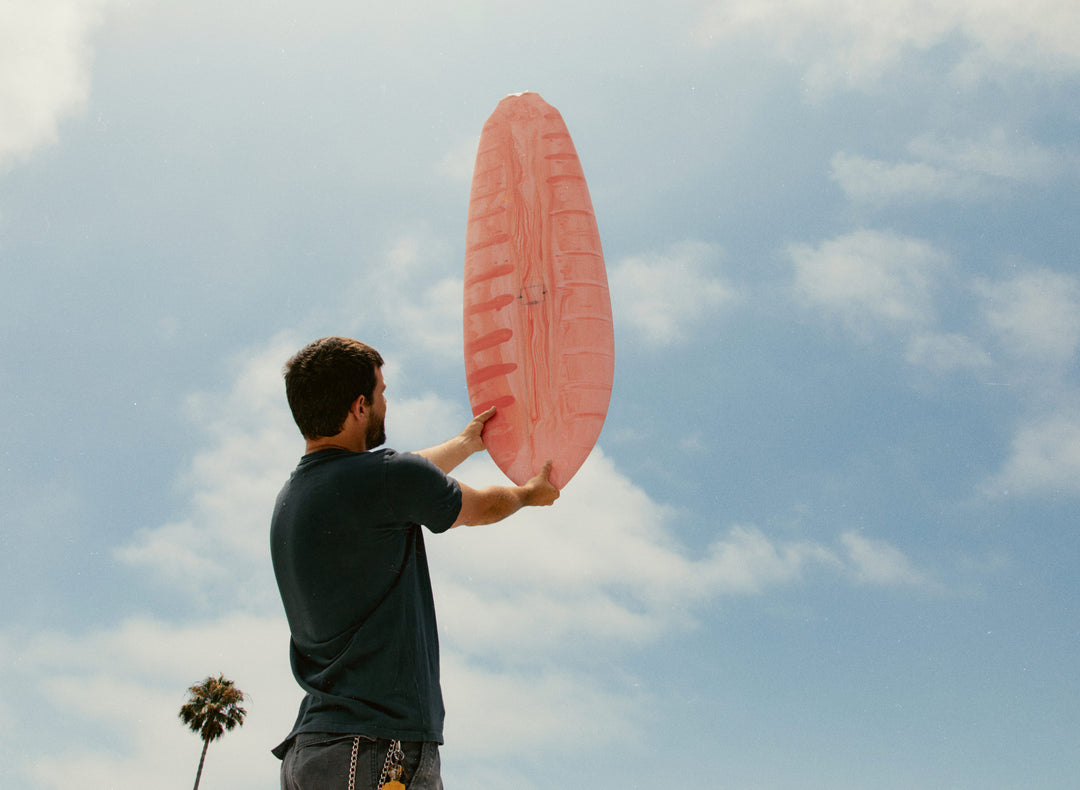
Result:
[[320, 761]]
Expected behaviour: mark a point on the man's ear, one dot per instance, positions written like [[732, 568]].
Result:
[[358, 406]]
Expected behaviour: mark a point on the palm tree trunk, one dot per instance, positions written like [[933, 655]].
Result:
[[202, 759]]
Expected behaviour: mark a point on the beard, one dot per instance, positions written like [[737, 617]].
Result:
[[376, 432]]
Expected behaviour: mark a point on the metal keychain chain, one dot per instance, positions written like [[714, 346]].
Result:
[[352, 763], [394, 757]]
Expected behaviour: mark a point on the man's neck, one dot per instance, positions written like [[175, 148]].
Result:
[[338, 442]]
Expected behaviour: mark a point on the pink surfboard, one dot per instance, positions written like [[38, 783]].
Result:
[[539, 343]]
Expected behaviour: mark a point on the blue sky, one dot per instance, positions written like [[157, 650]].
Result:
[[828, 537]]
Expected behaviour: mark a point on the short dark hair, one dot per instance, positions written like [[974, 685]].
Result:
[[324, 378]]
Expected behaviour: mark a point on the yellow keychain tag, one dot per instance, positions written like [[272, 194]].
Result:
[[396, 774]]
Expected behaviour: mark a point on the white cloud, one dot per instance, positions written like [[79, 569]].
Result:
[[1044, 458], [218, 550], [877, 563], [874, 281], [998, 155], [869, 278], [950, 169], [663, 297], [125, 684], [945, 352], [45, 62], [458, 162], [865, 180], [853, 42], [1035, 315], [500, 711], [1039, 35], [409, 290], [602, 569], [415, 423]]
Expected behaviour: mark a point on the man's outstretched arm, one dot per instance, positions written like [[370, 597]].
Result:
[[494, 503], [453, 451]]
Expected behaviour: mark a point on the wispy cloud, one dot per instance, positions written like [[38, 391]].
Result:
[[414, 287], [950, 169], [945, 352], [879, 564], [602, 570], [458, 162], [874, 181], [661, 297], [1044, 457], [1034, 315], [997, 155], [852, 43], [876, 281], [217, 549], [124, 684], [500, 710], [870, 279]]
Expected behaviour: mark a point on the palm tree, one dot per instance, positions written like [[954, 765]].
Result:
[[213, 707]]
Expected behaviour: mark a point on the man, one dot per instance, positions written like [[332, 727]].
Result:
[[348, 554]]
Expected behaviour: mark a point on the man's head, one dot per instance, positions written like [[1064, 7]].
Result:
[[324, 379]]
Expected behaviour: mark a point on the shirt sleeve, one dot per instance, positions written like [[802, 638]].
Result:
[[421, 493]]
